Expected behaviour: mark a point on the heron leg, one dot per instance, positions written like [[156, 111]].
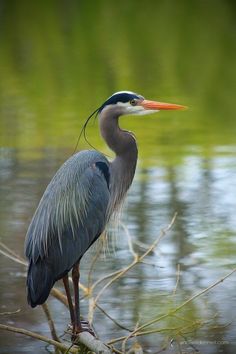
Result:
[[79, 326], [75, 277], [69, 299]]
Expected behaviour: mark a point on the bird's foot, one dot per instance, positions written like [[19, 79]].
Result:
[[84, 326]]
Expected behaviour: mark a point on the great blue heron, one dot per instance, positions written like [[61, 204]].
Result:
[[79, 201]]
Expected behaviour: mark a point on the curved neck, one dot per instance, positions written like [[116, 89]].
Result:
[[124, 145]]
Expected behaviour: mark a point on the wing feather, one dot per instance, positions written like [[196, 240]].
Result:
[[70, 216]]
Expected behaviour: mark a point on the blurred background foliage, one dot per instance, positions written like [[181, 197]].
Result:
[[59, 60]]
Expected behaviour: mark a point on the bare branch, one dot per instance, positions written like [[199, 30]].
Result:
[[61, 346], [84, 338], [13, 258], [7, 313], [120, 273], [130, 241], [59, 296], [144, 333], [172, 312], [50, 322], [136, 259], [93, 344], [10, 251]]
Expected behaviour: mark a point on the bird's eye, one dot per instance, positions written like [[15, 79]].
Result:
[[133, 102]]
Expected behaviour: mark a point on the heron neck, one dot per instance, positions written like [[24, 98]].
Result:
[[124, 145]]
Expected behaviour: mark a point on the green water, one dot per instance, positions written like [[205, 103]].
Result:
[[59, 61]]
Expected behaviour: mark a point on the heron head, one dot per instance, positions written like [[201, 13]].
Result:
[[127, 102]]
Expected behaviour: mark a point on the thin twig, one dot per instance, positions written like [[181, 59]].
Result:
[[137, 259], [7, 313], [190, 344], [100, 280], [81, 286], [130, 241], [170, 313], [159, 330], [140, 260], [9, 250], [50, 322], [164, 346], [59, 296], [37, 336], [177, 279], [14, 258], [84, 338], [162, 234], [120, 273], [116, 350], [144, 333], [143, 245], [112, 319], [18, 259]]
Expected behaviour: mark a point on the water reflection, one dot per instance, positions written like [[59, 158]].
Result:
[[58, 62], [202, 241], [181, 52]]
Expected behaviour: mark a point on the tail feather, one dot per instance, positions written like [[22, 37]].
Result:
[[40, 281]]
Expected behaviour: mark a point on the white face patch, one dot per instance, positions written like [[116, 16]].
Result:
[[136, 110]]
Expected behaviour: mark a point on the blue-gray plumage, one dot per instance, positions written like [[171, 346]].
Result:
[[79, 201], [74, 204]]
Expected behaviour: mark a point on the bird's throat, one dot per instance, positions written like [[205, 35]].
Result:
[[123, 166]]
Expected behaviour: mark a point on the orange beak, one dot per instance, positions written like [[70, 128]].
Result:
[[160, 105]]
